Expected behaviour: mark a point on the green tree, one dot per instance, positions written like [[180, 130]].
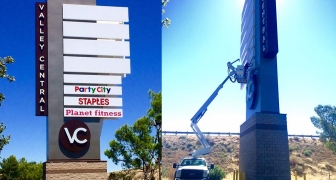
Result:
[[165, 22], [326, 123], [3, 140], [4, 74], [13, 169], [30, 170], [154, 113], [9, 168], [134, 146]]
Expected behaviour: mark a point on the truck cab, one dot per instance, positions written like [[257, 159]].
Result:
[[192, 168]]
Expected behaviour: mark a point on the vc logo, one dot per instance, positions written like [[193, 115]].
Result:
[[74, 135], [251, 91]]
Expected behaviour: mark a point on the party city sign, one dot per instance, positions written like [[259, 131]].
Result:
[[80, 89]]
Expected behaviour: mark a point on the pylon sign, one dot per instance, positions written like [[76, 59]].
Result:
[[82, 55]]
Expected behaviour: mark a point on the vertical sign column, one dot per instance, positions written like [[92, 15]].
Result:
[[96, 51], [269, 30], [41, 47]]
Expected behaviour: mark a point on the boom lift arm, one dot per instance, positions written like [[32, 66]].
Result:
[[199, 114]]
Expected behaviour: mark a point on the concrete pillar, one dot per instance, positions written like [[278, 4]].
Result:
[[75, 170], [264, 151]]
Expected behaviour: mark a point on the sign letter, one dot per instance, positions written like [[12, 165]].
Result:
[[74, 136]]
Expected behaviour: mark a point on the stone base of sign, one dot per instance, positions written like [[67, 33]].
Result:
[[264, 152], [79, 170]]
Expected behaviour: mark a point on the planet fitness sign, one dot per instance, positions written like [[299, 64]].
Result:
[[91, 112]]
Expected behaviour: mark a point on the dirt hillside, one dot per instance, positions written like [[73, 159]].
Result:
[[306, 155]]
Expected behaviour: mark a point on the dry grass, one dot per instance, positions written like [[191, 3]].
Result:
[[306, 155], [138, 174]]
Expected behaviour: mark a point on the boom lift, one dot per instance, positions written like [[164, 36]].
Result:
[[234, 74]]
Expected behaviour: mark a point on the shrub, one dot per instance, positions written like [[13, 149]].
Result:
[[298, 169], [223, 156], [210, 141], [169, 174], [217, 173], [189, 145], [122, 175], [331, 146], [329, 167], [293, 148], [295, 161], [307, 152], [164, 172], [230, 149], [182, 137]]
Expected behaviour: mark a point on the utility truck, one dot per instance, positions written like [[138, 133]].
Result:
[[195, 167]]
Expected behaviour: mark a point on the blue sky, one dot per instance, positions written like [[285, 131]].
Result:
[[28, 132], [205, 35]]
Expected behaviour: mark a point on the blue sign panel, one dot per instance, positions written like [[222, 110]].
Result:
[[269, 29]]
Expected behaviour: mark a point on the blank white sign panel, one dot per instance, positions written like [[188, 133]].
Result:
[[95, 13], [92, 101], [95, 30], [92, 79], [96, 47], [92, 90], [96, 65]]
